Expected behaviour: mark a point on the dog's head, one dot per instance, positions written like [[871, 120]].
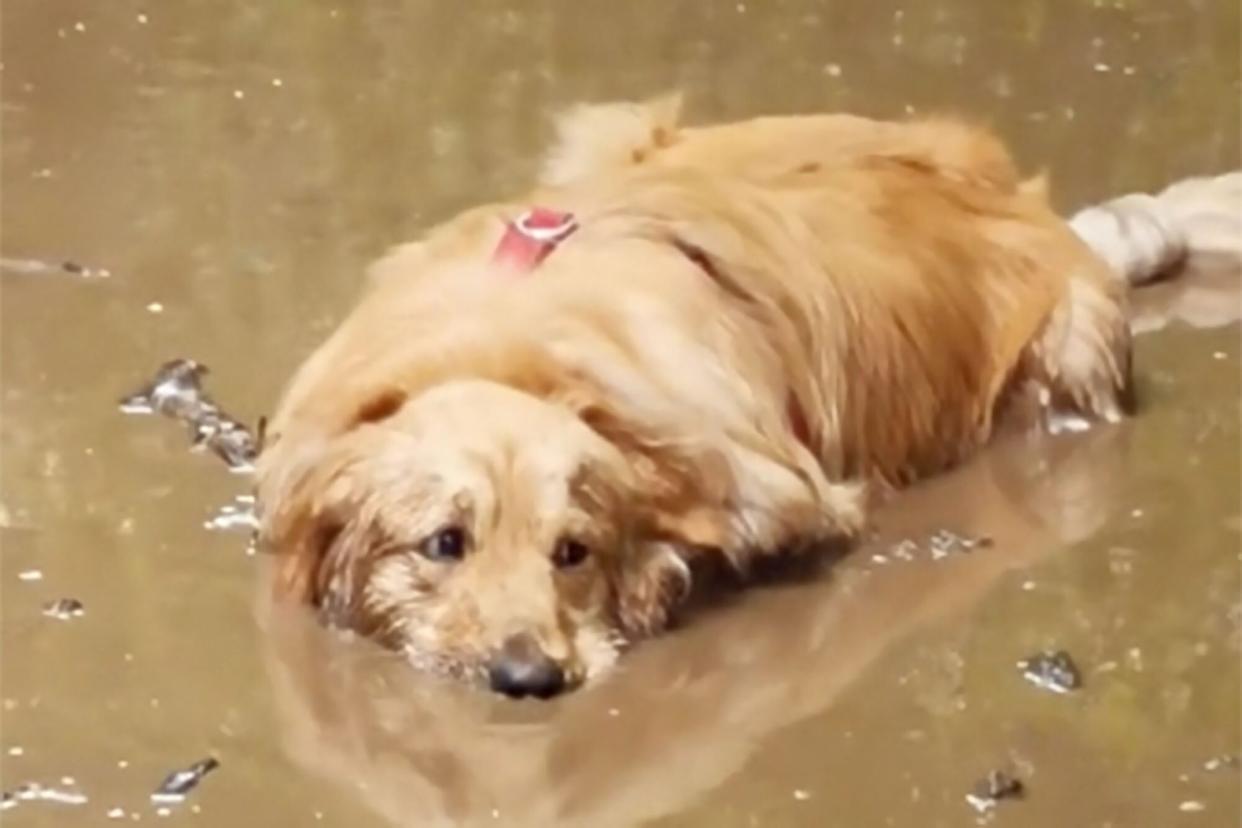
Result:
[[486, 533]]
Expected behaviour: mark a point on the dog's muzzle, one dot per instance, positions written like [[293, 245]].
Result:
[[521, 669]]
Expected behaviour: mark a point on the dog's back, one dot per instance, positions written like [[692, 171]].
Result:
[[916, 282]]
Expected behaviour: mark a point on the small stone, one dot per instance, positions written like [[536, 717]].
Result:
[[1226, 761], [179, 783], [996, 786], [1053, 671], [64, 609]]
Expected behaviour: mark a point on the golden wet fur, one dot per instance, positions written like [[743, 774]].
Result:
[[755, 324]]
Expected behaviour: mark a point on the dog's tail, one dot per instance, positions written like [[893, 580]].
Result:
[[1194, 223], [594, 138]]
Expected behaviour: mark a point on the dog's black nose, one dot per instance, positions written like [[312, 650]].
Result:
[[522, 669]]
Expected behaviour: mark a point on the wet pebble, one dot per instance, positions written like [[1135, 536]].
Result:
[[1051, 670], [941, 544], [36, 267], [992, 789], [1226, 761], [35, 792], [64, 609], [226, 438], [176, 391], [179, 783], [238, 515]]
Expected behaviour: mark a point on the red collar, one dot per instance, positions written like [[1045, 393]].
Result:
[[530, 237]]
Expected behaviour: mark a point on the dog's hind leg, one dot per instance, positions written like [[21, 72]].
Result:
[[1080, 361]]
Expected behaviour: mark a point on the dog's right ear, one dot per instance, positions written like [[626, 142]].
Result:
[[303, 493]]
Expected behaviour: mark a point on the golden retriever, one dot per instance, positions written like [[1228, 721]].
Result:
[[510, 457]]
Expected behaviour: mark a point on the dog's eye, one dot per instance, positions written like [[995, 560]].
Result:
[[569, 552], [449, 544]]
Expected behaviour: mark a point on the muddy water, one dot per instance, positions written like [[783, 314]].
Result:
[[233, 165]]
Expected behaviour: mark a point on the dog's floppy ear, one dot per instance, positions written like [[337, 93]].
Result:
[[678, 493], [681, 485], [305, 496]]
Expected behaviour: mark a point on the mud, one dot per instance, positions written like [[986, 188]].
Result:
[[233, 166]]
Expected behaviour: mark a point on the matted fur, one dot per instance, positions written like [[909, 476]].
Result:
[[753, 324]]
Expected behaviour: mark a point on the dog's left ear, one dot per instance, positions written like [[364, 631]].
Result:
[[681, 486], [677, 496]]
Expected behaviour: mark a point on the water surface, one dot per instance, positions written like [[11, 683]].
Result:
[[233, 166]]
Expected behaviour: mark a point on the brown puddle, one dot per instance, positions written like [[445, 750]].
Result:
[[219, 173]]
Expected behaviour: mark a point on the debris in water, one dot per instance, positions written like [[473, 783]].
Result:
[[30, 575], [63, 609], [1191, 806], [944, 543], [176, 391], [989, 791], [40, 267], [33, 791], [179, 783], [240, 514], [1051, 670], [1226, 761], [228, 439], [939, 545]]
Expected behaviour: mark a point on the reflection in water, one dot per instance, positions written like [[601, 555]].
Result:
[[686, 712]]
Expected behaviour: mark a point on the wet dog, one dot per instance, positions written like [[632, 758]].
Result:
[[688, 344]]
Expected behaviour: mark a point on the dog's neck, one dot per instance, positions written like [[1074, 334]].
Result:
[[532, 236]]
